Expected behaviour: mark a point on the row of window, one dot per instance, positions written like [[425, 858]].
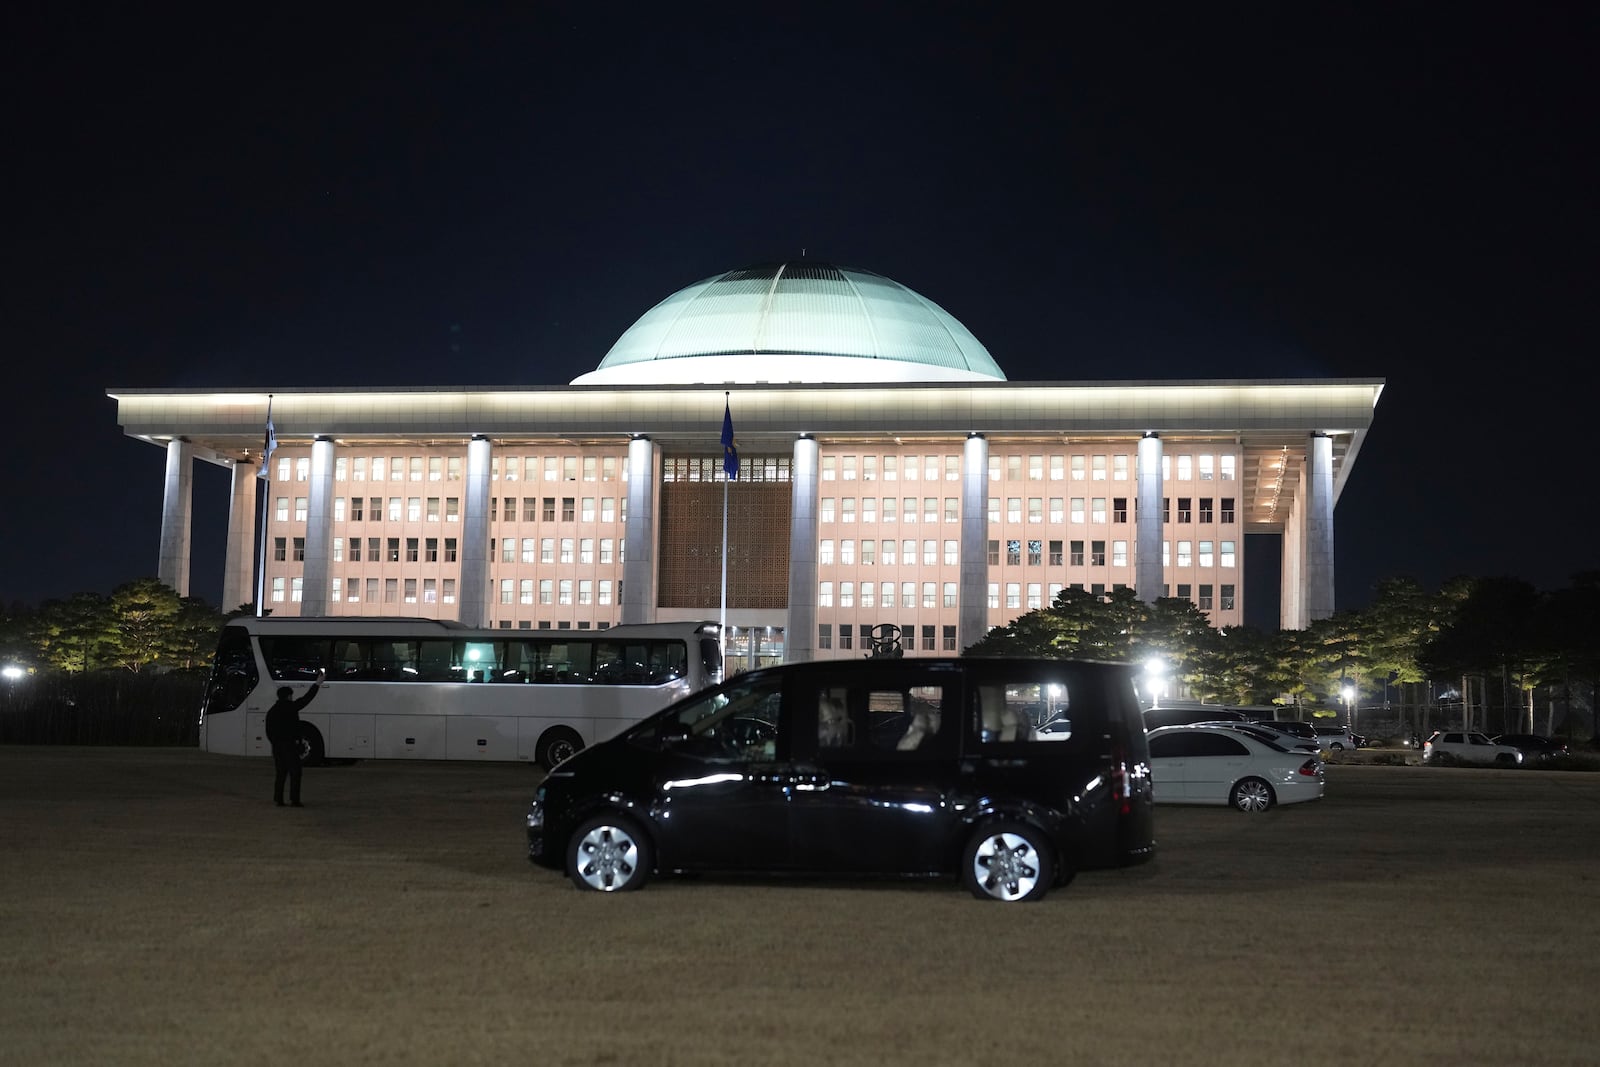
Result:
[[377, 590], [448, 468], [944, 635], [1012, 468], [890, 553], [936, 595], [1204, 467], [1078, 467], [427, 550], [551, 591], [614, 509], [1078, 509], [429, 509], [606, 550]]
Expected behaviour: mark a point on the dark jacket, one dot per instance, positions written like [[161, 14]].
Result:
[[283, 718]]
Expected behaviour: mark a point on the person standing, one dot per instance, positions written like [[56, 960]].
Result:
[[283, 733]]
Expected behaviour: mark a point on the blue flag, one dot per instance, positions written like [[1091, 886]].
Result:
[[269, 446], [730, 447]]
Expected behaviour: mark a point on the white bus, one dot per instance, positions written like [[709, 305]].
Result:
[[431, 689]]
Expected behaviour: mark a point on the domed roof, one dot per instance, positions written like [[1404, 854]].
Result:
[[805, 321]]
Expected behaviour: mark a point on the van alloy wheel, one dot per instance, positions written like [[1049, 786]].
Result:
[[1009, 862], [608, 854]]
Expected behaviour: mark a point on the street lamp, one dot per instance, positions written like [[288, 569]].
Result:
[[1155, 669], [1349, 694]]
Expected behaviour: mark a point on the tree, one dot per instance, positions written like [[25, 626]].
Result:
[[1493, 631], [74, 634], [143, 615]]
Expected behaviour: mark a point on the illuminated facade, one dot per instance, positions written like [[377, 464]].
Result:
[[890, 475]]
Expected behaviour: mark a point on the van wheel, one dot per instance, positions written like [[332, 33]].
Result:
[[309, 741], [556, 744], [609, 854], [1008, 861], [1252, 795]]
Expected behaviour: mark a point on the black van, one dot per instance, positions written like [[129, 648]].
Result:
[[1011, 774]]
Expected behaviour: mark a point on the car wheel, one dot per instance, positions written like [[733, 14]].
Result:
[[609, 854], [556, 744], [1505, 759], [1252, 794], [1337, 747], [1008, 861], [309, 741]]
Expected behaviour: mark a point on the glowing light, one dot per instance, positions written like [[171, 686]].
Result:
[[710, 779]]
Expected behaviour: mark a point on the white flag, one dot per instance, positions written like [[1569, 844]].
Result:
[[269, 447]]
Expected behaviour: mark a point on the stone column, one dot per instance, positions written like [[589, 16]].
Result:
[[800, 628], [473, 600], [172, 565], [1319, 527], [639, 534], [239, 566], [1291, 580], [1149, 576], [319, 530], [973, 622]]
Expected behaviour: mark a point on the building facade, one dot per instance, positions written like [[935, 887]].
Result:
[[892, 483]]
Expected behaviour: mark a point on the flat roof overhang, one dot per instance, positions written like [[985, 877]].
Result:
[[1269, 419]]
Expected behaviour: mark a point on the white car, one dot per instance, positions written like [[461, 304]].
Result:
[[1292, 735], [1469, 747], [1230, 765], [1335, 738]]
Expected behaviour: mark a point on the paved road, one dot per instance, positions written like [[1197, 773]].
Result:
[[155, 908]]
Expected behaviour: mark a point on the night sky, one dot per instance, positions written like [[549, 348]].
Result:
[[483, 199]]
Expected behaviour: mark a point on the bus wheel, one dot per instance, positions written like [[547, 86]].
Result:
[[556, 744], [311, 748]]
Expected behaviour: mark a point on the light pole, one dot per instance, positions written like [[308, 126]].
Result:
[[1155, 670], [1349, 695]]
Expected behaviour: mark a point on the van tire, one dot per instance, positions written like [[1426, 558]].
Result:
[[1008, 861], [609, 854], [556, 744]]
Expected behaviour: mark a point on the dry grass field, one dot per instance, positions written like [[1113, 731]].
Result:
[[155, 908]]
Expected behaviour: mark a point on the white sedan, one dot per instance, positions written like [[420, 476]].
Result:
[[1470, 747], [1223, 765]]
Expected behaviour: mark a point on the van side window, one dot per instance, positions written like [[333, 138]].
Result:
[[1024, 710], [863, 722], [738, 722]]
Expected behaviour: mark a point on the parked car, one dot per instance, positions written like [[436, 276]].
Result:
[[905, 767], [1224, 764], [1184, 714], [1534, 747], [1336, 738], [1296, 734], [1469, 746]]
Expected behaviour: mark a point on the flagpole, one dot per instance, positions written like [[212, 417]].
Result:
[[261, 552], [722, 621], [266, 502]]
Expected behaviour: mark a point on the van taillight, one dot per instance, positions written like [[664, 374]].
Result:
[[1309, 768]]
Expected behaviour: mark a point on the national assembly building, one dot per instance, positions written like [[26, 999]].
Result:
[[888, 475]]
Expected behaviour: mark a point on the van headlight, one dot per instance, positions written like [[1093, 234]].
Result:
[[536, 811]]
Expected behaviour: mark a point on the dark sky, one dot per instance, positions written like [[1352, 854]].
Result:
[[295, 200]]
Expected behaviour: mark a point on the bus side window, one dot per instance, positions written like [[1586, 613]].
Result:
[[433, 661]]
